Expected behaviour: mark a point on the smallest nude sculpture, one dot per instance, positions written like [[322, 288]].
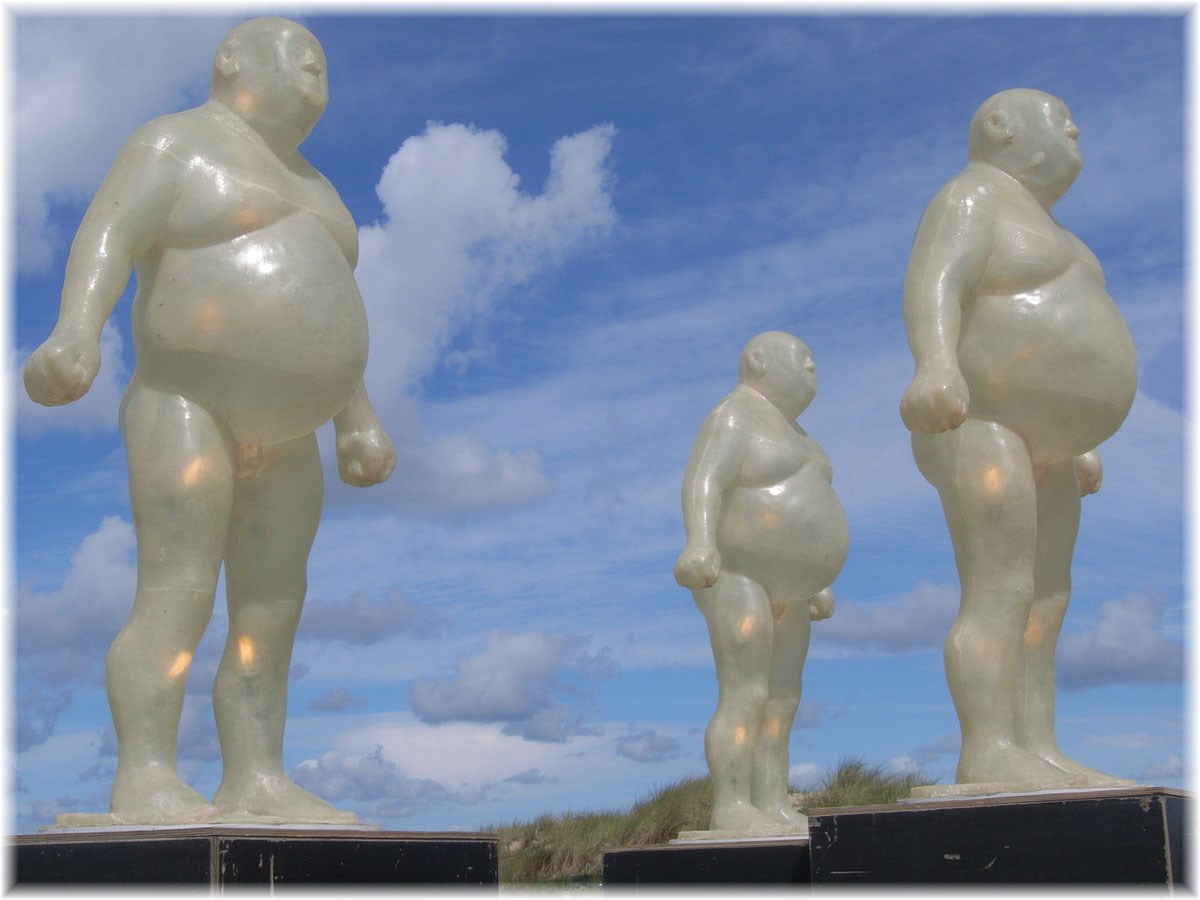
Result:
[[766, 537]]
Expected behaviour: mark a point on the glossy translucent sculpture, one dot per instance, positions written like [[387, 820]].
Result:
[[766, 537], [249, 333], [1023, 367]]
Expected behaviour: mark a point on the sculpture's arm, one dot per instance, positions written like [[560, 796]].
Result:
[[129, 209], [949, 255], [715, 462], [1089, 471], [364, 451]]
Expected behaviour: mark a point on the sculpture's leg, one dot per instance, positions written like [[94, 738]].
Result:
[[983, 473], [1058, 525], [275, 518], [792, 628], [739, 625], [181, 484]]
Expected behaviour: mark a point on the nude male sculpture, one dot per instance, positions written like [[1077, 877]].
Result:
[[1024, 366], [249, 333], [766, 537]]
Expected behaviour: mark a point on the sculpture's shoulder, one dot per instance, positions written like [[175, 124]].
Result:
[[170, 136], [973, 190]]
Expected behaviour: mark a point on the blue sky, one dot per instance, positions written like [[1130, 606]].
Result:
[[570, 226]]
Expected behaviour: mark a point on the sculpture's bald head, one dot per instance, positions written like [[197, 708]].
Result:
[[1028, 134], [780, 367], [272, 72]]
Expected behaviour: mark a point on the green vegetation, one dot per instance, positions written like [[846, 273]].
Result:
[[568, 849]]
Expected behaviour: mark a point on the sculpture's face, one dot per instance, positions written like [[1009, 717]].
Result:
[[1048, 144], [281, 78], [791, 377]]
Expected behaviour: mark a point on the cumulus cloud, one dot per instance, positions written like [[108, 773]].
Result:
[[1170, 766], [457, 235], [95, 411], [647, 745], [516, 680], [373, 785], [62, 635], [68, 130], [335, 701], [1125, 645], [917, 620], [359, 620]]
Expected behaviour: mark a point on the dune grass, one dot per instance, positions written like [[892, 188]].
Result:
[[565, 850]]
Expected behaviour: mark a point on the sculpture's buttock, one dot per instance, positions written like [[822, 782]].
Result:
[[268, 330]]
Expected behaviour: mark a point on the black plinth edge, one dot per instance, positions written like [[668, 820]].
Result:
[[782, 861], [213, 856], [1133, 835]]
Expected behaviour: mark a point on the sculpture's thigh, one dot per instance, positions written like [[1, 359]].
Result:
[[181, 475], [984, 476]]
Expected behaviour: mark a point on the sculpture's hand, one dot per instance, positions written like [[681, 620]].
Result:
[[936, 401], [821, 605], [698, 567], [1089, 471], [62, 369], [365, 457]]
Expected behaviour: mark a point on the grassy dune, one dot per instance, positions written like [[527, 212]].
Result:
[[567, 849]]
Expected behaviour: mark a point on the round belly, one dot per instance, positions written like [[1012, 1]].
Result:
[[1056, 366], [267, 331], [792, 537]]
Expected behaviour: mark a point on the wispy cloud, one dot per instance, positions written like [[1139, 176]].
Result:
[[363, 621], [918, 620]]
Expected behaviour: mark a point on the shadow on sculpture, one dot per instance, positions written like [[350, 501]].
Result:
[[249, 333], [766, 537], [1024, 366]]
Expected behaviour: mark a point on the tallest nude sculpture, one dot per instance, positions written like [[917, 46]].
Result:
[[1023, 367], [249, 333]]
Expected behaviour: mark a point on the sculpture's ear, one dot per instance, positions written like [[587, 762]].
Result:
[[998, 127], [756, 361], [226, 61]]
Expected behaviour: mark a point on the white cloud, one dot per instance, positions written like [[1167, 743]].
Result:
[[63, 635], [917, 620], [359, 620], [1125, 644], [807, 775], [97, 410], [647, 745], [1170, 766], [457, 236], [517, 680]]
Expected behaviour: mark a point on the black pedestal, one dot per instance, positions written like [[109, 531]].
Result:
[[779, 861], [1132, 835], [217, 855]]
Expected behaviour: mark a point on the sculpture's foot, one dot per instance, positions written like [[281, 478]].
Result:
[[1095, 778], [1011, 765], [277, 799], [786, 814], [740, 817], [156, 795]]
